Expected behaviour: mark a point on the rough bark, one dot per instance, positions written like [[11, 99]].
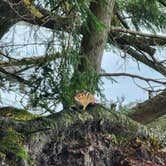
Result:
[[93, 41], [93, 137], [150, 109], [12, 11]]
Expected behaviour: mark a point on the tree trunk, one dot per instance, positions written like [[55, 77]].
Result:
[[94, 40]]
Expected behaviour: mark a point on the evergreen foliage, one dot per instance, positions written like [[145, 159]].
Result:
[[56, 82], [149, 14]]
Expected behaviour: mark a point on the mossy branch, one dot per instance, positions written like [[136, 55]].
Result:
[[71, 131]]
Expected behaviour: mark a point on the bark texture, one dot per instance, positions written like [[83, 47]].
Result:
[[150, 109], [93, 42], [96, 137]]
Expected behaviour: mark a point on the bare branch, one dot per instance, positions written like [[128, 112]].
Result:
[[13, 76], [29, 61], [150, 109], [4, 45], [142, 58], [132, 76], [138, 33], [6, 56]]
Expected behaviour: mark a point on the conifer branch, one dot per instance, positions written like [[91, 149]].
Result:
[[140, 40], [163, 2]]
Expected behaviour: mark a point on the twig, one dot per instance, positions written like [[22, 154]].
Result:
[[132, 76], [6, 56], [25, 44], [138, 33]]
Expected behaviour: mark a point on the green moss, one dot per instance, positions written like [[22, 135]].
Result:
[[31, 162], [32, 9], [154, 135], [11, 145], [111, 137], [123, 141], [2, 155], [17, 114], [159, 125], [67, 118], [118, 139]]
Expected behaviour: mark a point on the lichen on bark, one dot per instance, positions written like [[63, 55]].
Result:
[[96, 136]]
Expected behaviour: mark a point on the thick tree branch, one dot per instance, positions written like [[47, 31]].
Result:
[[141, 45], [137, 39], [80, 138], [150, 109], [132, 76]]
